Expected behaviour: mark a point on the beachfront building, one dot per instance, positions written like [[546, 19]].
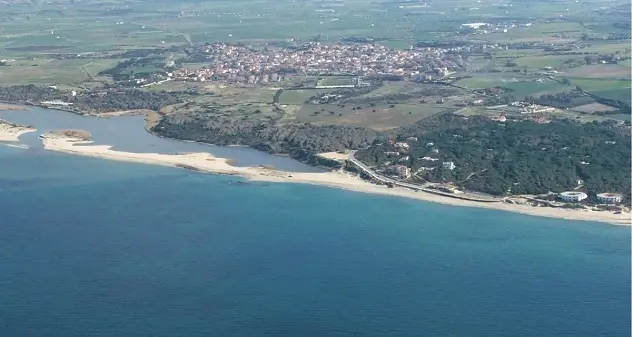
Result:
[[573, 196], [55, 103], [401, 171], [609, 198], [448, 165]]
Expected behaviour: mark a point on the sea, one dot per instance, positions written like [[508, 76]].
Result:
[[98, 248]]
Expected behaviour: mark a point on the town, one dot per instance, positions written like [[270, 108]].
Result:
[[249, 65]]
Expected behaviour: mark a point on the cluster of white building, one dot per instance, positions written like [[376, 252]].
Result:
[[529, 108], [237, 63], [602, 198]]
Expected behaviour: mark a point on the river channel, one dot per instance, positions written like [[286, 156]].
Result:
[[127, 133]]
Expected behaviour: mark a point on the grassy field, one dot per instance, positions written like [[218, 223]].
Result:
[[598, 71], [123, 25], [622, 94], [606, 88], [380, 117], [521, 89], [522, 85], [335, 80], [108, 25], [592, 108], [297, 96], [50, 71], [542, 61], [32, 36], [546, 32], [392, 105]]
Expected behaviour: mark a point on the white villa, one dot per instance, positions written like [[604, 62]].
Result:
[[573, 196], [609, 198], [448, 165]]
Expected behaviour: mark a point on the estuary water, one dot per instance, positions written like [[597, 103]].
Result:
[[90, 247], [127, 133]]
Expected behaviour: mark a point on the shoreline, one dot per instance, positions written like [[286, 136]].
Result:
[[10, 132], [206, 163], [12, 107]]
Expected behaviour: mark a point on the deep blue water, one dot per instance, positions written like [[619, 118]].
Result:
[[90, 247]]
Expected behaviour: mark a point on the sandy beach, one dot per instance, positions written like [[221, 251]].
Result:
[[205, 162], [136, 112], [10, 132], [11, 107]]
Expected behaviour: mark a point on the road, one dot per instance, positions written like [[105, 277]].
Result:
[[379, 177], [424, 188], [368, 171]]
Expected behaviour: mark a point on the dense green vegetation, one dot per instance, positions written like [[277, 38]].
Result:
[[300, 141], [562, 100], [571, 99], [517, 157], [103, 101]]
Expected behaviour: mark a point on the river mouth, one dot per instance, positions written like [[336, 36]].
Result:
[[127, 133]]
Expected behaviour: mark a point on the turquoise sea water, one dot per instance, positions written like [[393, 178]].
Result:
[[91, 247]]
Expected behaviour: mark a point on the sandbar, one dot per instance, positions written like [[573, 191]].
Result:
[[11, 107], [205, 162], [10, 132]]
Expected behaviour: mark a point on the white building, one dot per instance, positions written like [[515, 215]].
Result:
[[573, 196], [448, 165], [401, 145], [609, 198], [401, 170]]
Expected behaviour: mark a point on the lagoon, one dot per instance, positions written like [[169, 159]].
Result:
[[127, 133]]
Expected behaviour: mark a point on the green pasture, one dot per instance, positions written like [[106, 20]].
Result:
[[297, 96], [622, 94], [44, 71], [335, 80], [521, 89], [542, 61]]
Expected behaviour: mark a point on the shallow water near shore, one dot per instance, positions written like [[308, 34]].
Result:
[[93, 247], [127, 133]]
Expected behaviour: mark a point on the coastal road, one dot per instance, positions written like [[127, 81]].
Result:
[[378, 177], [368, 171]]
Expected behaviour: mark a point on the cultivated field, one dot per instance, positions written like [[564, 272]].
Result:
[[380, 117], [69, 45]]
